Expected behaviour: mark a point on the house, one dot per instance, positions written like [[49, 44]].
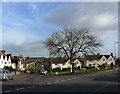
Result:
[[5, 59], [17, 63], [63, 63], [33, 63], [59, 63], [95, 60]]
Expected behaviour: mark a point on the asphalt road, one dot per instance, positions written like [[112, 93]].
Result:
[[101, 81]]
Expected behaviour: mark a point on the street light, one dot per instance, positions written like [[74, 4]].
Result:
[[114, 48], [50, 62]]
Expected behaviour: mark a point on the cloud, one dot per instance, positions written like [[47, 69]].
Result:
[[26, 30], [99, 16], [25, 43], [17, 37], [105, 20], [35, 49]]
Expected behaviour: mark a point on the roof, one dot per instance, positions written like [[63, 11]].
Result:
[[92, 57], [14, 60], [96, 57], [57, 60]]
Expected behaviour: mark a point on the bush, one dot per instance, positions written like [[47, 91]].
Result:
[[66, 69], [102, 66], [56, 70], [90, 67]]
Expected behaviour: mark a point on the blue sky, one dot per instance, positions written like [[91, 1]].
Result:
[[26, 25]]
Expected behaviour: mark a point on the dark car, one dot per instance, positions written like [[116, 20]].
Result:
[[42, 71]]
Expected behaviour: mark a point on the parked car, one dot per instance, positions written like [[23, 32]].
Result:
[[42, 71], [5, 74]]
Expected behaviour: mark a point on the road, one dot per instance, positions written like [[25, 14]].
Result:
[[101, 81]]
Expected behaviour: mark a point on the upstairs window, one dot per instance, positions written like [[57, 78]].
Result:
[[103, 59]]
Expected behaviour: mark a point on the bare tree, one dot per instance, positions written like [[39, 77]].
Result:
[[72, 41]]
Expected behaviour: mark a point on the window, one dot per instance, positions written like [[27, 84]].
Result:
[[110, 59], [103, 59]]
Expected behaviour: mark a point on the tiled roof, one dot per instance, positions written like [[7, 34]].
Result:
[[92, 57], [14, 60], [57, 60], [96, 57]]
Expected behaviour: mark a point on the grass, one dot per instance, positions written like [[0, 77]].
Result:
[[76, 71], [61, 73], [68, 72]]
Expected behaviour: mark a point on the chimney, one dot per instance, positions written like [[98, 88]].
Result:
[[111, 54], [98, 54], [2, 52], [9, 55]]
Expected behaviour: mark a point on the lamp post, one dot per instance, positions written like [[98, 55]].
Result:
[[114, 48], [50, 62]]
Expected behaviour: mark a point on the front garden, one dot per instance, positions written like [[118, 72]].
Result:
[[66, 71]]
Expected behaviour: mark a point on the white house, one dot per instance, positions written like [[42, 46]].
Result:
[[17, 63], [5, 59], [66, 64], [95, 60]]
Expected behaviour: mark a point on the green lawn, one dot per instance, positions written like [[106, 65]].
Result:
[[76, 71], [67, 72]]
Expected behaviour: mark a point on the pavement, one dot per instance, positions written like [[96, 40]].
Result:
[[100, 81]]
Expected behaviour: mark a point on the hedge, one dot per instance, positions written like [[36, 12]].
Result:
[[9, 68]]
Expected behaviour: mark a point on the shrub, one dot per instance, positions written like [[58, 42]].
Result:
[[56, 70], [66, 69], [102, 66], [90, 67], [9, 68]]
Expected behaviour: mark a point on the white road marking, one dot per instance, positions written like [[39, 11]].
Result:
[[113, 82], [68, 79], [100, 88], [7, 91], [48, 83], [19, 88], [57, 81], [74, 78], [30, 86]]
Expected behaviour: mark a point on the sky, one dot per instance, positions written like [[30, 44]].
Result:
[[26, 25]]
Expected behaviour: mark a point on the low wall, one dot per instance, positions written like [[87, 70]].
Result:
[[16, 72]]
